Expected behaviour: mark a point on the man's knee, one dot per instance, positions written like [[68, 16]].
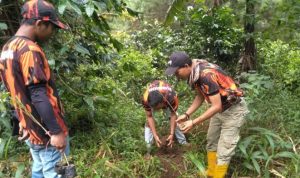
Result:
[[212, 142], [226, 147]]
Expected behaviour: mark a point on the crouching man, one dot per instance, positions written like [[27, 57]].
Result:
[[159, 95]]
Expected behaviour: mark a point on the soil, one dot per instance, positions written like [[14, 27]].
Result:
[[171, 159]]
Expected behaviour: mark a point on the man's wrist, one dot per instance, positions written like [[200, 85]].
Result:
[[187, 115], [56, 132]]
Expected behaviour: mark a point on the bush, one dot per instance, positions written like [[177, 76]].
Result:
[[202, 33], [281, 61], [270, 149]]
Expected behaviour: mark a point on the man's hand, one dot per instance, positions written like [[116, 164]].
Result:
[[58, 141], [181, 118], [187, 126], [157, 140], [23, 133], [170, 140]]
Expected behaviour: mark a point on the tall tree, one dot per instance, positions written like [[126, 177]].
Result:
[[247, 61]]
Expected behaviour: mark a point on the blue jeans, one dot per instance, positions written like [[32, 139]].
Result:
[[44, 159], [149, 135], [178, 134]]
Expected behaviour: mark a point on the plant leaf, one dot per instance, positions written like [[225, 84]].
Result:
[[74, 7], [62, 6], [3, 26], [2, 146], [176, 7], [285, 154], [89, 101], [199, 165], [82, 49], [20, 170], [256, 165], [89, 9], [132, 12]]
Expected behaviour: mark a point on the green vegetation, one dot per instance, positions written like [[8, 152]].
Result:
[[101, 73]]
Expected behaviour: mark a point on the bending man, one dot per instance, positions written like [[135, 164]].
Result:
[[160, 95], [226, 112]]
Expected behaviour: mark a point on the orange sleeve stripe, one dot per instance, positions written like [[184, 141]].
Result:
[[34, 48], [26, 61]]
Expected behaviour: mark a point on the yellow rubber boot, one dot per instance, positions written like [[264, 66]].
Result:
[[220, 171], [211, 163]]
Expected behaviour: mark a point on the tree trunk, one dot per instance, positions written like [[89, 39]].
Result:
[[217, 3], [213, 3], [247, 61]]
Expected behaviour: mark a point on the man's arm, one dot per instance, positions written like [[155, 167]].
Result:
[[172, 123], [151, 124], [40, 101], [35, 78], [170, 138], [216, 106], [196, 104], [198, 100]]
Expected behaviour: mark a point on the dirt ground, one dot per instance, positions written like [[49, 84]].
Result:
[[171, 159]]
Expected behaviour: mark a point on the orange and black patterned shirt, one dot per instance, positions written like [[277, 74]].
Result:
[[209, 79], [160, 92], [26, 74]]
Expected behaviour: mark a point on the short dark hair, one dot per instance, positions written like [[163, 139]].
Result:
[[155, 98], [28, 21], [32, 21]]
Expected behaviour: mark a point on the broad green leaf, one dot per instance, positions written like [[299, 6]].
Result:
[[7, 147], [271, 142], [89, 9], [101, 6], [89, 101], [20, 170], [268, 160], [243, 149], [82, 49], [74, 7], [248, 165], [285, 154], [5, 123], [256, 155], [132, 12], [264, 131], [62, 6], [3, 26], [264, 152], [199, 165], [256, 165], [51, 62], [63, 50], [248, 140], [2, 146]]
